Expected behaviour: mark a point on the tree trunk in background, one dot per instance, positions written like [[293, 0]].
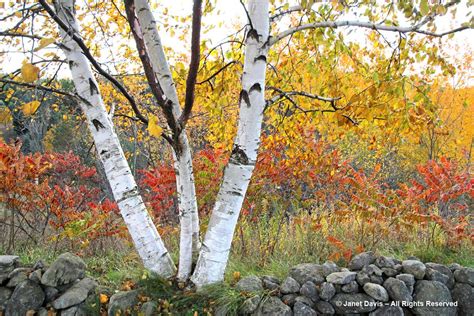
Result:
[[187, 203], [217, 242], [144, 234]]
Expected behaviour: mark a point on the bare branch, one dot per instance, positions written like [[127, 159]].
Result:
[[368, 25], [280, 14], [282, 94], [194, 63], [218, 72]]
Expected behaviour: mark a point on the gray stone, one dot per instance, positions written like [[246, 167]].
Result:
[[376, 279], [3, 278], [50, 293], [444, 270], [361, 260], [309, 290], [289, 285], [66, 269], [39, 265], [385, 262], [372, 269], [397, 290], [271, 279], [325, 308], [8, 263], [250, 305], [35, 276], [398, 267], [376, 291], [389, 272], [353, 303], [77, 310], [351, 287], [465, 275], [122, 301], [301, 309], [329, 267], [327, 291], [270, 283], [341, 277], [304, 300], [75, 295], [307, 272], [250, 284], [42, 312], [17, 276], [454, 266], [149, 308], [409, 281], [28, 295], [433, 291], [415, 267], [273, 306], [433, 275], [388, 311], [362, 278], [289, 299], [464, 294], [5, 294]]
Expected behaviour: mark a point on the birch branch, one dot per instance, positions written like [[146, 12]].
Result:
[[368, 25], [194, 63]]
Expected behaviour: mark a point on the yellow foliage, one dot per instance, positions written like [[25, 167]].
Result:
[[29, 72], [153, 128], [44, 42], [30, 107]]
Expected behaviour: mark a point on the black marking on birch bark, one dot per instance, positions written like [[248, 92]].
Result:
[[255, 87], [93, 87], [129, 194], [71, 64], [238, 156], [252, 34], [97, 124], [236, 193], [261, 57], [244, 95]]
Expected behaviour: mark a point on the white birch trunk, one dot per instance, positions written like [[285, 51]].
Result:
[[215, 249], [187, 203], [144, 234]]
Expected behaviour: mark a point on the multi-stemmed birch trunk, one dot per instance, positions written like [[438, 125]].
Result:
[[215, 248], [187, 203], [142, 230]]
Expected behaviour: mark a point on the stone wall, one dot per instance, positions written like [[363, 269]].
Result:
[[62, 287], [369, 286]]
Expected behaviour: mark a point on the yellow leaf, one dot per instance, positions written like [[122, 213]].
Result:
[[30, 107], [29, 72], [153, 128], [103, 298], [44, 42]]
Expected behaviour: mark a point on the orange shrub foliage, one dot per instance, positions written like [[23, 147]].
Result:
[[44, 191]]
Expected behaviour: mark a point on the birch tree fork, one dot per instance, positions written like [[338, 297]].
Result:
[[187, 203], [144, 234], [215, 249]]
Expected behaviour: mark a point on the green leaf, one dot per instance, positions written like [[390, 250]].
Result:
[[424, 8]]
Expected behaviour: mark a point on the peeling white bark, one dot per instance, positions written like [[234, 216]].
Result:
[[144, 234], [187, 203], [217, 242]]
